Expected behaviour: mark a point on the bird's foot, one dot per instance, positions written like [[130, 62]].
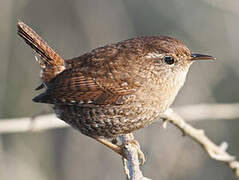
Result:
[[136, 145]]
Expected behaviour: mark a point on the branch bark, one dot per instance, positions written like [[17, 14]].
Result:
[[32, 124], [209, 111], [131, 164], [215, 152]]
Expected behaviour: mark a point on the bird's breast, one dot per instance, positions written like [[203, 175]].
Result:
[[162, 91]]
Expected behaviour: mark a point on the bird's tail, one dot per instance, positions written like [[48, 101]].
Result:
[[51, 62]]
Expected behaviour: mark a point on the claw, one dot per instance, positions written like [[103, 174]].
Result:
[[137, 147]]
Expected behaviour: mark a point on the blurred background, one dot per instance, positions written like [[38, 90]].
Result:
[[73, 27]]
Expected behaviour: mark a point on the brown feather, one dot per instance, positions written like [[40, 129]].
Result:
[[52, 63]]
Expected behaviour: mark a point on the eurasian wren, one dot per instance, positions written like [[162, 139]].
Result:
[[115, 89]]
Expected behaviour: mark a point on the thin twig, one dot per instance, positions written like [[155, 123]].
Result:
[[32, 124], [215, 152], [131, 165], [209, 111]]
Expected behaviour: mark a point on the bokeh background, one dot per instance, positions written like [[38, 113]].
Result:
[[73, 27]]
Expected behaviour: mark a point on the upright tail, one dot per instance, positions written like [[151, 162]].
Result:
[[51, 62]]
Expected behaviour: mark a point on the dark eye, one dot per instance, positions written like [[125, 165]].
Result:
[[169, 60]]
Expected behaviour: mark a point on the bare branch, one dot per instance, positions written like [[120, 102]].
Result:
[[209, 111], [33, 124], [215, 152], [131, 165]]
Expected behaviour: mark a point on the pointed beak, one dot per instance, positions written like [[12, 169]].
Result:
[[195, 56]]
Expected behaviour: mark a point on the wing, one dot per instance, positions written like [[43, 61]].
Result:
[[101, 77], [76, 88]]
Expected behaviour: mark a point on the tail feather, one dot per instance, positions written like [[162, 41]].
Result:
[[51, 62], [42, 98]]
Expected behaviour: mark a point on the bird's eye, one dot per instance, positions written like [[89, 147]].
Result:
[[169, 60]]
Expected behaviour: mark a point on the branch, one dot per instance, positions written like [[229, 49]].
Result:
[[209, 111], [131, 164], [215, 152], [33, 124]]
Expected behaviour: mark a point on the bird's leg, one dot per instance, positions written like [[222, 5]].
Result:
[[120, 148], [114, 147]]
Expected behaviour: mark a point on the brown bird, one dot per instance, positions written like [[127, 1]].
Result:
[[115, 89]]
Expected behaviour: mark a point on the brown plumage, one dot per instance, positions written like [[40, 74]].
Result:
[[115, 89], [52, 63]]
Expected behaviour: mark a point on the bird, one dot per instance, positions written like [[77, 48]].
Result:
[[115, 89]]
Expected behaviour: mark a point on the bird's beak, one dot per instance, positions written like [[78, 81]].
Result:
[[195, 56]]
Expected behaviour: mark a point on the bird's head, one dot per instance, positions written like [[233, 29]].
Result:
[[172, 55], [167, 61]]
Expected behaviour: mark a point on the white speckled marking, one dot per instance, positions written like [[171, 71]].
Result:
[[154, 55]]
